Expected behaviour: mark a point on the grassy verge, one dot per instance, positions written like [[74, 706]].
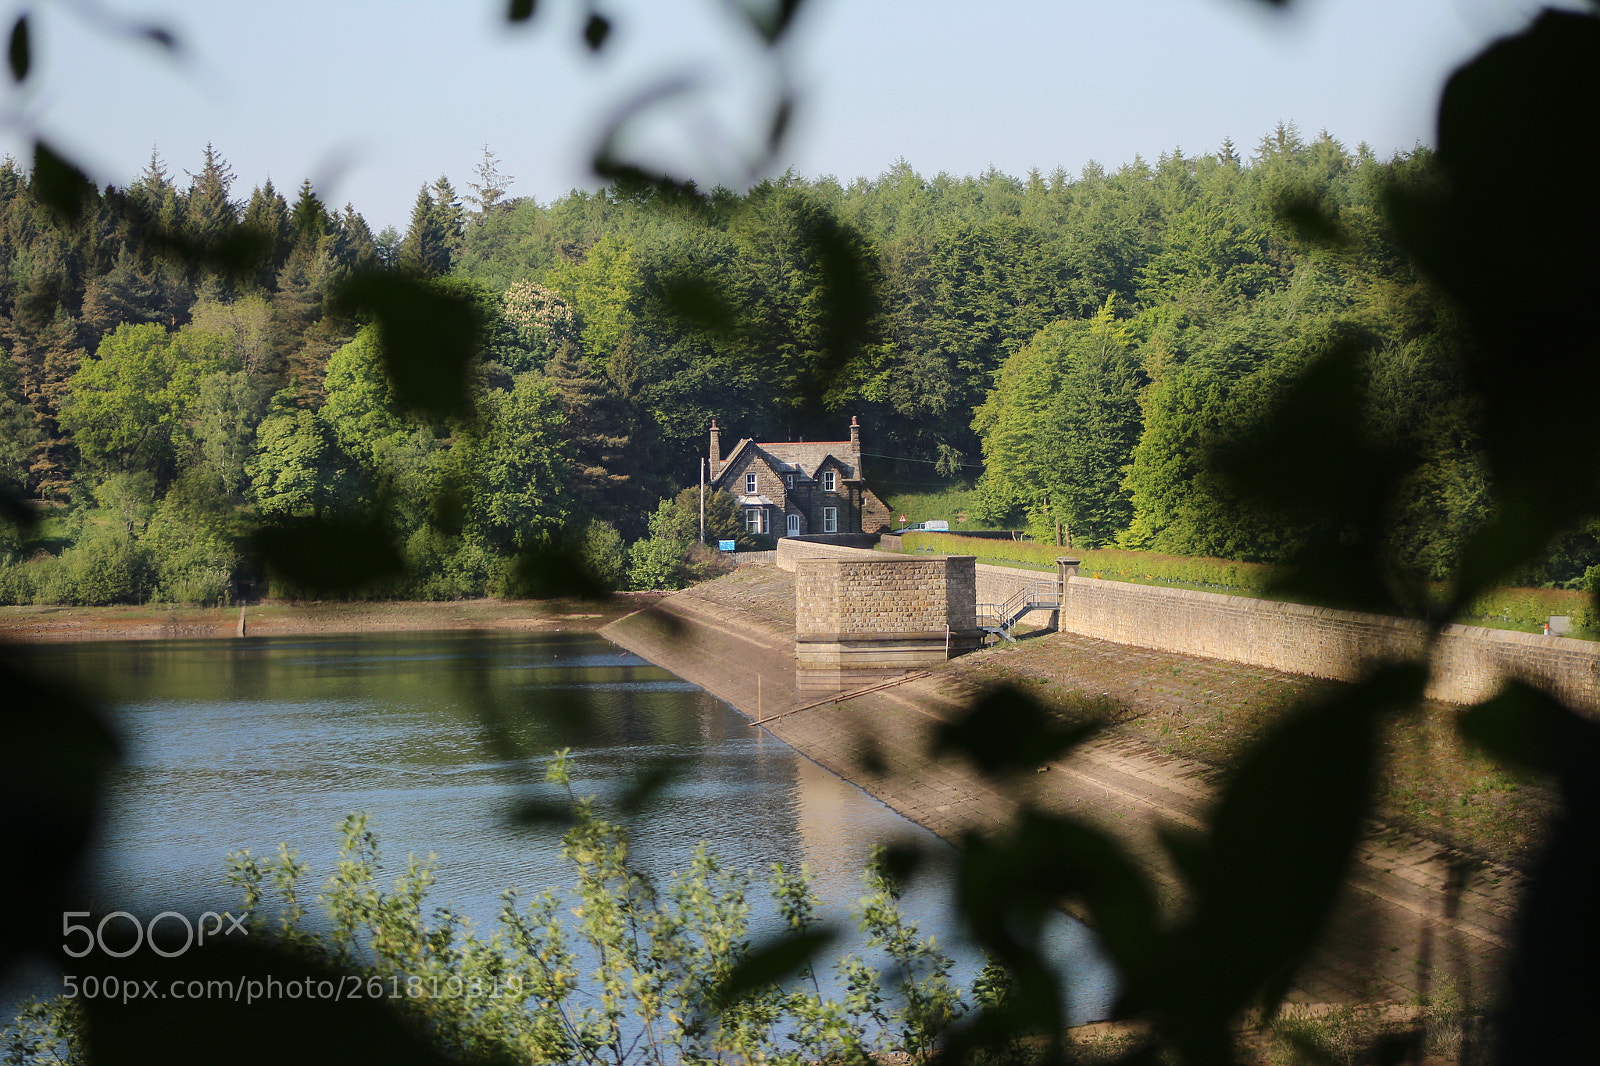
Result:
[[1521, 610], [955, 504]]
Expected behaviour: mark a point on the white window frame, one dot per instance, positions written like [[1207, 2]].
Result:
[[792, 525], [788, 481], [755, 519], [830, 519], [749, 484], [828, 482]]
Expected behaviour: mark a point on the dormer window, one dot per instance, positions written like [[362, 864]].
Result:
[[788, 480], [749, 484], [827, 481]]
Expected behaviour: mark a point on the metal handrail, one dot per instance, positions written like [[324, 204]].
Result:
[[1034, 596]]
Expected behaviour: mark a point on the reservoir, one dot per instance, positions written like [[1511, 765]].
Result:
[[443, 739]]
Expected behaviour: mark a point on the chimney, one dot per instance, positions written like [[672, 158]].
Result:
[[855, 448], [716, 450]]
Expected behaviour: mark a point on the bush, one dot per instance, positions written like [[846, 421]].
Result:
[[656, 563], [604, 554], [107, 566], [562, 983], [194, 560]]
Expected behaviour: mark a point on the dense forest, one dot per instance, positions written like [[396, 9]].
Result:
[[1085, 341]]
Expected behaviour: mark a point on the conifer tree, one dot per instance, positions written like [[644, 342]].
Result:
[[209, 214], [489, 191], [308, 221], [595, 416], [267, 214], [357, 248], [424, 250], [451, 220]]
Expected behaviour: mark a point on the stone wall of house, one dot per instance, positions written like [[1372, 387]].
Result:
[[872, 594], [1469, 662], [874, 516]]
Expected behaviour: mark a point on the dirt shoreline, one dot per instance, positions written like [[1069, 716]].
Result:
[[45, 625]]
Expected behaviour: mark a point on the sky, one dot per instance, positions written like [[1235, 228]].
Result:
[[370, 99]]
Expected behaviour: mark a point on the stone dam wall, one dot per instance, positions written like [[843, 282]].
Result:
[[871, 610], [1468, 662]]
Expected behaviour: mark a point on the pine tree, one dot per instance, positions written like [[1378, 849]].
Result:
[[357, 248], [209, 214], [267, 214], [451, 220], [489, 191], [596, 426], [308, 221], [424, 250]]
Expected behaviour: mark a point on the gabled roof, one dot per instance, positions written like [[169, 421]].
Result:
[[760, 455], [803, 458]]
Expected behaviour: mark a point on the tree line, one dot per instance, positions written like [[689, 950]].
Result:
[[1088, 341]]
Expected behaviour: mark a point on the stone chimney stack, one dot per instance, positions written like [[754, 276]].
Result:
[[855, 447], [716, 450]]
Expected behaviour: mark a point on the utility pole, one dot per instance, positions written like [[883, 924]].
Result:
[[702, 499]]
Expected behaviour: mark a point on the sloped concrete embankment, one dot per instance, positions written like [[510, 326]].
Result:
[[1414, 917]]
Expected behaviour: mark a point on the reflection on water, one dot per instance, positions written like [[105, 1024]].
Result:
[[249, 743]]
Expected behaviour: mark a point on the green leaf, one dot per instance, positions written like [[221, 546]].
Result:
[[771, 963], [699, 303], [329, 555], [428, 337], [1271, 865], [256, 989], [1006, 732], [648, 783], [1306, 214], [20, 52], [555, 571], [58, 184], [55, 750], [771, 19], [1525, 728]]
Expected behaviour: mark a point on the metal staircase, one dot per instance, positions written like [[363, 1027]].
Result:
[[1001, 618]]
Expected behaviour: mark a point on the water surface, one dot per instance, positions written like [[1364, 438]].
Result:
[[439, 737]]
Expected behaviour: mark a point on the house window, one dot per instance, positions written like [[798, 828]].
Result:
[[827, 481], [755, 519], [794, 525], [749, 484], [830, 519], [788, 480]]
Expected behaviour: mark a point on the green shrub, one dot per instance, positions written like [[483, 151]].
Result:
[[657, 563], [106, 566], [577, 980], [604, 554], [194, 559]]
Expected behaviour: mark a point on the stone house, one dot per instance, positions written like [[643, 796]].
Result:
[[799, 488]]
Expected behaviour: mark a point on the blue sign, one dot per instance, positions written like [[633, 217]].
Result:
[[725, 545]]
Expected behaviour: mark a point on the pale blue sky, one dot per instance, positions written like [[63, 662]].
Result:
[[371, 99]]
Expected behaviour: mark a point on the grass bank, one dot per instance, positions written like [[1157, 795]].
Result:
[[1520, 609]]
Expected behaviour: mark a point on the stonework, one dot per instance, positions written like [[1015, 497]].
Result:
[[877, 610], [1469, 663]]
